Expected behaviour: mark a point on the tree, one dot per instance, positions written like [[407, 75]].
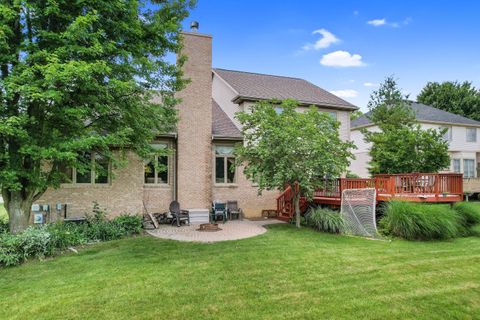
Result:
[[401, 146], [355, 114], [76, 77], [455, 97], [285, 148]]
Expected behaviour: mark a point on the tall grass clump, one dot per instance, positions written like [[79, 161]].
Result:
[[470, 213], [326, 220], [415, 221]]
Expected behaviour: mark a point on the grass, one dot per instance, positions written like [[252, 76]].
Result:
[[283, 274]]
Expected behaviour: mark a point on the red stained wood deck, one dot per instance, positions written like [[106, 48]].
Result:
[[415, 187]]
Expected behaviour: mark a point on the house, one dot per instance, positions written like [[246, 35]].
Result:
[[199, 167], [462, 136]]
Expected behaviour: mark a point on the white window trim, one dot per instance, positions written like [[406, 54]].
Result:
[[449, 133]]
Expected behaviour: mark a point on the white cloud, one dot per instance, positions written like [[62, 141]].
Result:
[[377, 22], [342, 59], [325, 41], [347, 93], [384, 22], [370, 84]]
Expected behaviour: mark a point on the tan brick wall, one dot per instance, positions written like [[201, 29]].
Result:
[[195, 124], [246, 193], [123, 195]]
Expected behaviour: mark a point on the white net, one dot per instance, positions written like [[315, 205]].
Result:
[[358, 211]]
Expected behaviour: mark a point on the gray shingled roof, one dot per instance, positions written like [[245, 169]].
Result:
[[256, 86], [424, 113], [222, 126]]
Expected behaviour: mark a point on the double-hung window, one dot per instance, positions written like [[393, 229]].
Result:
[[156, 169], [468, 168], [456, 166], [471, 134], [224, 164], [447, 136]]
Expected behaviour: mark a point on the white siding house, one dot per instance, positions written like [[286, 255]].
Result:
[[463, 135]]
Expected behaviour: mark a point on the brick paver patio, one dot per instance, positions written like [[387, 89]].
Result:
[[231, 230]]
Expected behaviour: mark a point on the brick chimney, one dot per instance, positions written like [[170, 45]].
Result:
[[194, 146]]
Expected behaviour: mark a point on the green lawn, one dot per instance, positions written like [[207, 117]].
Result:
[[283, 274]]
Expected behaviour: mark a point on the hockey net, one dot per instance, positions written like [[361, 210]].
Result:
[[358, 211]]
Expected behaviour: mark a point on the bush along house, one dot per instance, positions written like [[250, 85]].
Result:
[[199, 170]]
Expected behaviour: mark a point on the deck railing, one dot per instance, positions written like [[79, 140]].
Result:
[[388, 186], [437, 184]]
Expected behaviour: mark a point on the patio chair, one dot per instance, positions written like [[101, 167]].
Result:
[[234, 212], [178, 215], [219, 209]]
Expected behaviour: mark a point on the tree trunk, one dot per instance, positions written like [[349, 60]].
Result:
[[296, 201], [18, 211]]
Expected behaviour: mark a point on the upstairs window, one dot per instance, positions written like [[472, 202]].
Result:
[[447, 136], [224, 164], [471, 134], [156, 170]]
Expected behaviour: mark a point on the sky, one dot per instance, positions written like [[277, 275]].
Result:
[[346, 47]]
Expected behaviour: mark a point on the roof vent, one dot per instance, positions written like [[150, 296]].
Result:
[[194, 26]]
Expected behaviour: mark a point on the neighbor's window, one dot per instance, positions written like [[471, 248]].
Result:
[[156, 170], [278, 110], [224, 164], [97, 170], [456, 166], [448, 134], [333, 114], [468, 168], [471, 134]]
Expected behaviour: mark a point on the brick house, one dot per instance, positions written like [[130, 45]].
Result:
[[206, 133]]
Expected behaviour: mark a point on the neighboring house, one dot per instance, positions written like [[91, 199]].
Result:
[[199, 168], [462, 135]]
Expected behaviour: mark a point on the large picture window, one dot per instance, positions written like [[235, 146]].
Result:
[[97, 170], [224, 164], [156, 170]]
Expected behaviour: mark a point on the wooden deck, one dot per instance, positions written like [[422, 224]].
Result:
[[415, 187]]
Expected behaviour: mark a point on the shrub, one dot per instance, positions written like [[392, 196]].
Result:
[[131, 224], [470, 213], [46, 240], [325, 220], [413, 221]]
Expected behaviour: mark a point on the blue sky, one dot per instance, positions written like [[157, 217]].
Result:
[[363, 41]]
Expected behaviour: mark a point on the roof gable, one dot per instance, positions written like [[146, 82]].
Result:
[[256, 86]]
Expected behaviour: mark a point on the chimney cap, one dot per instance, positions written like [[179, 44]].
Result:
[[194, 26]]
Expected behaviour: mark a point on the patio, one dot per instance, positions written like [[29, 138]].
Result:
[[231, 230]]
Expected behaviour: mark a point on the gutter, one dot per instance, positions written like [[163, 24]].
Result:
[[239, 99]]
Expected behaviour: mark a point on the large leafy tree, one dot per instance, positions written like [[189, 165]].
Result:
[[455, 97], [401, 145], [76, 77], [288, 147]]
